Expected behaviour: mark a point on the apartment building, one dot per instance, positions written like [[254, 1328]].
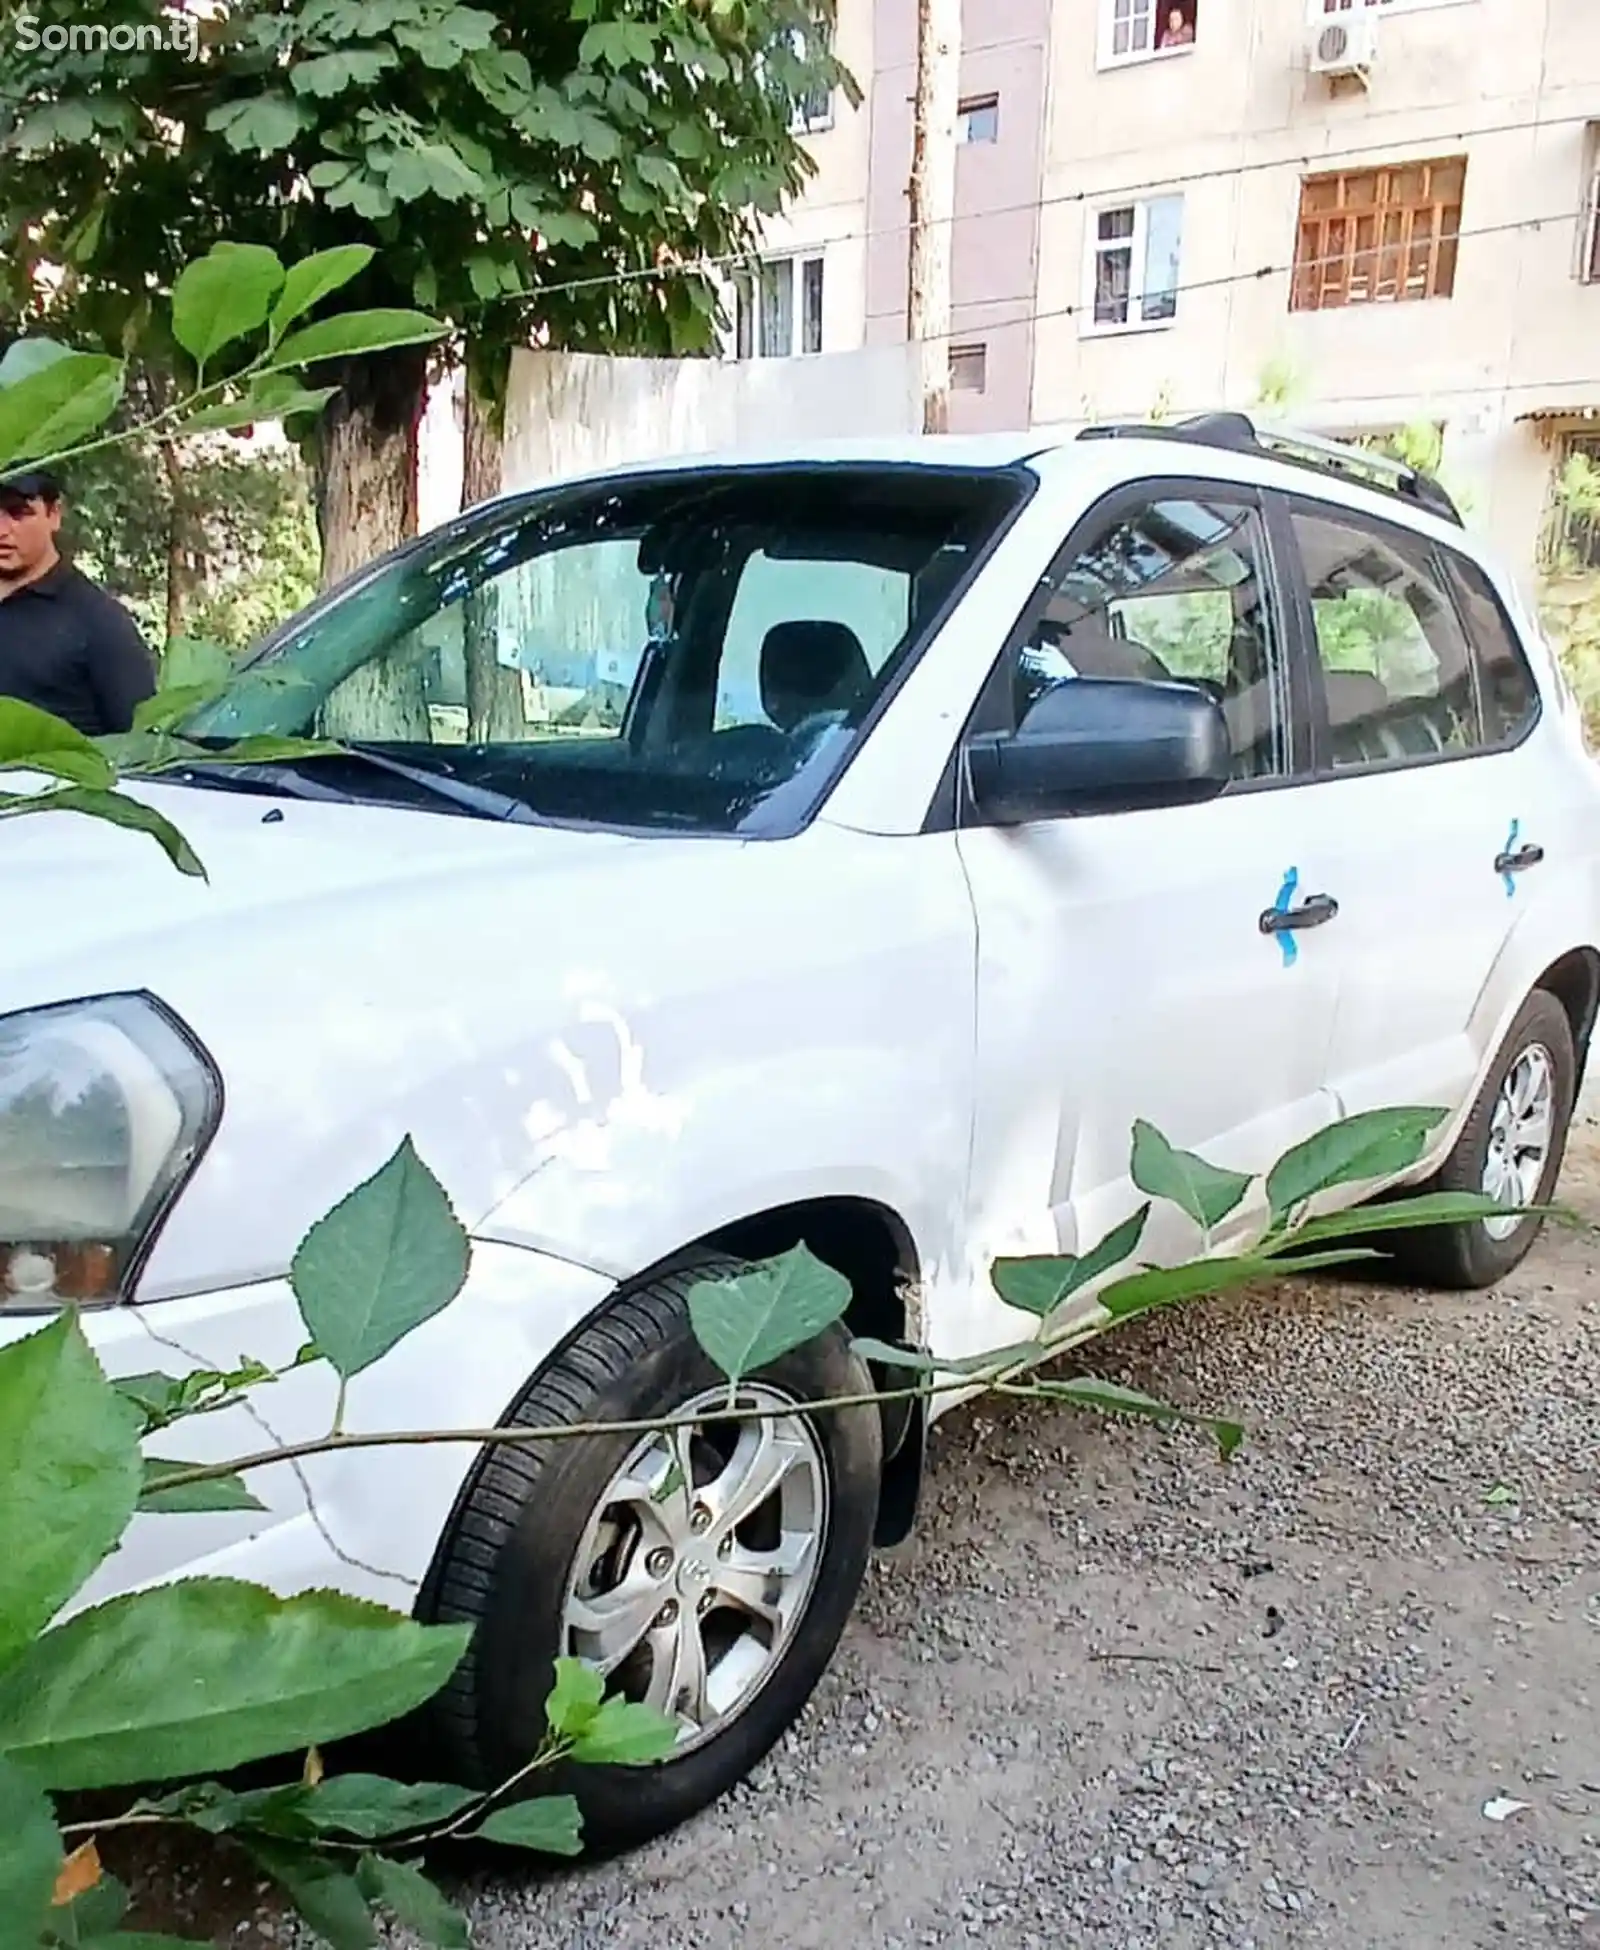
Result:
[[1370, 214]]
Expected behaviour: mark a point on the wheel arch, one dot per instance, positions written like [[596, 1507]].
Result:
[[1574, 980]]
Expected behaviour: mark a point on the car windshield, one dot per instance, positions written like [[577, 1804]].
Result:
[[687, 651]]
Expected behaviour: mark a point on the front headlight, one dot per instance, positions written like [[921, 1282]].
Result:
[[105, 1107]]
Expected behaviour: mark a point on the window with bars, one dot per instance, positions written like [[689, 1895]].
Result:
[[777, 308], [1378, 236], [1572, 537], [1134, 30]]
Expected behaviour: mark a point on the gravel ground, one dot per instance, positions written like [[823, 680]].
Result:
[[1116, 1693]]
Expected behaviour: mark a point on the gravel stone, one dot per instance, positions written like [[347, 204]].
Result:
[[1117, 1693]]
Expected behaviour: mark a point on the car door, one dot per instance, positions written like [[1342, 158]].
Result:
[[1124, 969], [1423, 805]]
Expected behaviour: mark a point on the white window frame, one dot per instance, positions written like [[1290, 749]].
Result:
[[1136, 55], [1137, 245], [1588, 266], [1320, 12], [807, 120], [748, 277]]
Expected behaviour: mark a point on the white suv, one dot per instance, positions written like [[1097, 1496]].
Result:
[[846, 847]]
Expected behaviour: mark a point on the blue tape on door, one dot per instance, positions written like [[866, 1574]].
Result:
[[1510, 847], [1286, 940]]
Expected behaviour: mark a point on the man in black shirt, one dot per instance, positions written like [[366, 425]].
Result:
[[65, 644]]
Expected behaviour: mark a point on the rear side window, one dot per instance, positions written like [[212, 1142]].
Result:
[[1507, 693], [1397, 670]]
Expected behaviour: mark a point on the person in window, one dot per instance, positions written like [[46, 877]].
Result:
[[1178, 32]]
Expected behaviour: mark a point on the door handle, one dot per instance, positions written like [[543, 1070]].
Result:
[[1517, 862], [1313, 912]]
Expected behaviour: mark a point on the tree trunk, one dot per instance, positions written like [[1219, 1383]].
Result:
[[933, 202], [494, 692], [366, 505]]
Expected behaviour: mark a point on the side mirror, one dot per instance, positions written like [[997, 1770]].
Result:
[[1101, 745]]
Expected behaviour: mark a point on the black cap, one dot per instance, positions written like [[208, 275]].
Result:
[[37, 483]]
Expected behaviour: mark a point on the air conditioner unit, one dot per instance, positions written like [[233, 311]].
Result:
[[1345, 47]]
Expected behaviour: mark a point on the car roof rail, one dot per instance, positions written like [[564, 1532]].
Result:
[[1237, 433]]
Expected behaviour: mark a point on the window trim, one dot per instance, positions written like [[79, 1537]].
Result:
[[1588, 266], [1313, 266], [990, 708], [798, 256], [1089, 327], [970, 105], [1442, 557], [1106, 61]]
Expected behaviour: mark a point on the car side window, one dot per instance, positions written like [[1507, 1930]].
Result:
[[1397, 670], [1507, 694], [1172, 591]]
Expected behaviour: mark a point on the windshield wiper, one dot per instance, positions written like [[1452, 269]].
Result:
[[296, 778]]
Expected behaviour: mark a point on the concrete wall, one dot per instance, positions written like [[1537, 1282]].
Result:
[[568, 412]]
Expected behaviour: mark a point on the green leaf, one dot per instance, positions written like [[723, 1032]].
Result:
[[413, 1901], [1109, 1398], [623, 1734], [369, 1806], [1165, 1286], [746, 1320], [24, 356], [188, 1499], [1039, 1285], [168, 707], [1205, 1191], [30, 1856], [56, 405], [33, 740], [257, 405], [918, 1361], [327, 75], [575, 1698], [69, 1475], [204, 1675], [351, 334], [144, 1940], [1397, 1215], [314, 278], [91, 1916], [390, 1255], [194, 660], [222, 297], [116, 809], [217, 1810], [551, 1824], [331, 1901], [1373, 1144], [265, 123]]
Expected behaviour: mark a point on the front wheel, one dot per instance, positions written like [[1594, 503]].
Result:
[[1511, 1148], [708, 1571]]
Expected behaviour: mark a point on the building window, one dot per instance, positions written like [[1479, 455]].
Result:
[[1378, 236], [813, 111], [978, 120], [969, 368], [777, 308], [1137, 30], [1321, 8], [1134, 253], [1589, 222], [1572, 540]]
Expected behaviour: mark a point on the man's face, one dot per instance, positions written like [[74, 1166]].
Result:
[[28, 529]]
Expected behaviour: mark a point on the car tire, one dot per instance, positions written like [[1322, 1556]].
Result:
[[510, 1565], [1538, 1053]]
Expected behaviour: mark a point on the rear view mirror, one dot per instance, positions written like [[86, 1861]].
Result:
[[1101, 745]]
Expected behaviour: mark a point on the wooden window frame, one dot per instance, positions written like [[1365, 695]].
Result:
[[1360, 249]]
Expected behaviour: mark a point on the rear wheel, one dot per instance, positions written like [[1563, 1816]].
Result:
[[1511, 1148], [707, 1571]]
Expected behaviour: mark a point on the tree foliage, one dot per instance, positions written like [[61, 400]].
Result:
[[516, 168]]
